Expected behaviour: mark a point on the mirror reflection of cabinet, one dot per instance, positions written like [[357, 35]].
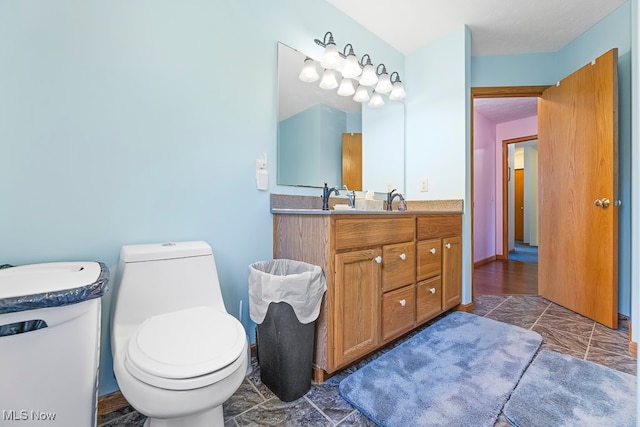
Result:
[[352, 161]]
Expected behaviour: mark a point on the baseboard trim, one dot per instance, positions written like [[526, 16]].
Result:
[[465, 307], [633, 348], [484, 261], [111, 402]]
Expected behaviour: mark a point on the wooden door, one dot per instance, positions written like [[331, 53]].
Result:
[[577, 158], [451, 272], [352, 161], [357, 305], [518, 204]]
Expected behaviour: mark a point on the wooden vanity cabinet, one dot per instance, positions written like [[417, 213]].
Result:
[[382, 277]]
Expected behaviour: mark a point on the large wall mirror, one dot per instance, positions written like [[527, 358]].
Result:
[[313, 123]]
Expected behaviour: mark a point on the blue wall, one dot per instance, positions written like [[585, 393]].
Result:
[[132, 122], [542, 69]]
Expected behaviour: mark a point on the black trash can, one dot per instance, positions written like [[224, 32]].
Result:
[[285, 297]]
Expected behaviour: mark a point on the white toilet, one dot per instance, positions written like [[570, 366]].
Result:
[[177, 354]]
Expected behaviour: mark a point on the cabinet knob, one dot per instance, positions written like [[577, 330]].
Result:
[[403, 302], [378, 259], [448, 245], [432, 250], [403, 256], [432, 290]]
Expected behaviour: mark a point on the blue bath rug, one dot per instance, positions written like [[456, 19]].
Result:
[[563, 391], [458, 372]]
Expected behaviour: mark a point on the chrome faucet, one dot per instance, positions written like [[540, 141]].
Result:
[[326, 193], [390, 196]]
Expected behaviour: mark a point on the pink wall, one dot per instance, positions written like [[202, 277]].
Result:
[[484, 187], [504, 131]]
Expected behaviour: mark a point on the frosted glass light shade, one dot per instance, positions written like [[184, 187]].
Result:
[[351, 67], [376, 100], [331, 58], [397, 92], [384, 83], [329, 80], [309, 72], [362, 95], [369, 76], [346, 88]]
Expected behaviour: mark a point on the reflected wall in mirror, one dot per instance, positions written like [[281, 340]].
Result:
[[312, 124]]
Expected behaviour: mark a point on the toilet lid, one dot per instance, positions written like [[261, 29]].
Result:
[[186, 343]]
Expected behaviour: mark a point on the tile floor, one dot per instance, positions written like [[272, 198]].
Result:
[[562, 330]]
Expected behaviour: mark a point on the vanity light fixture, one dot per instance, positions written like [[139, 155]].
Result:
[[369, 76], [346, 87], [376, 100], [357, 76], [309, 72], [384, 82], [351, 66], [329, 79], [362, 94], [331, 58], [397, 90]]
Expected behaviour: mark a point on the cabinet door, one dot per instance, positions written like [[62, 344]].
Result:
[[451, 272], [356, 316], [398, 265]]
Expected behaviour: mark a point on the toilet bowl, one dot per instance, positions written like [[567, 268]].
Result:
[[177, 354]]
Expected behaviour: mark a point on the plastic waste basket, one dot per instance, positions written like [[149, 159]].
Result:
[[284, 301]]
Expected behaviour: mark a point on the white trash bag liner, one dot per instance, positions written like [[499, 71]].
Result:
[[299, 284]]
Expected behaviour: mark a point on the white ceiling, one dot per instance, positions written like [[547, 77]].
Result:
[[498, 27]]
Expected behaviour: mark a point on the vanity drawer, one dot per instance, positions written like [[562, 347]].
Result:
[[398, 312], [428, 299], [363, 232], [432, 226], [398, 265], [429, 258]]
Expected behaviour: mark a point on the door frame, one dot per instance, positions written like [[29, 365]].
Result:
[[493, 92], [505, 190]]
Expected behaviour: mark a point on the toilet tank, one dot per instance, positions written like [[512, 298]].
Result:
[[153, 279]]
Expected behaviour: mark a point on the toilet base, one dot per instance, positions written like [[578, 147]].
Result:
[[210, 418]]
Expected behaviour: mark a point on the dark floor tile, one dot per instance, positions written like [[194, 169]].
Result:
[[104, 419], [254, 377], [483, 304], [245, 398], [566, 323], [132, 419], [326, 397], [610, 340], [619, 362], [564, 350], [277, 413], [558, 311], [577, 343], [525, 321], [356, 419]]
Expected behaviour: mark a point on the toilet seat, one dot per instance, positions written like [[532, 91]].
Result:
[[186, 349]]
